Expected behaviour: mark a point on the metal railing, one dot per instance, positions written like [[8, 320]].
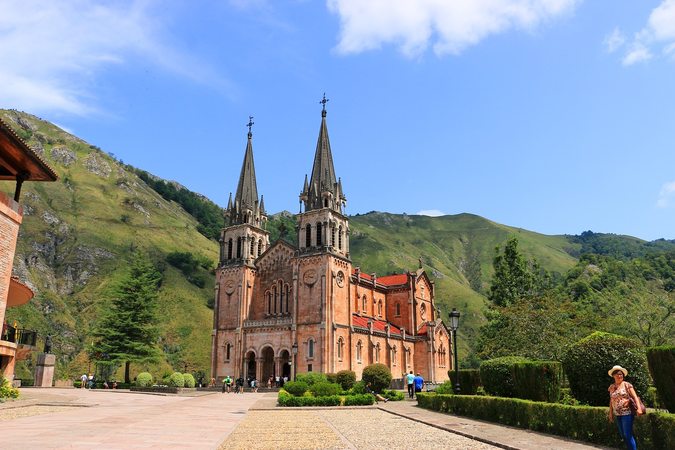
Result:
[[19, 335]]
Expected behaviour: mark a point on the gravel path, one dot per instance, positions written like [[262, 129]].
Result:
[[340, 429]]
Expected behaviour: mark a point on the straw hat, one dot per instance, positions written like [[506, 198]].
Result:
[[615, 368]]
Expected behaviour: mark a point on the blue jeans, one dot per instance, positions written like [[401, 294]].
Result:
[[625, 424]]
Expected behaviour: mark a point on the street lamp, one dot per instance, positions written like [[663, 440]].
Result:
[[295, 360], [185, 368], [454, 324]]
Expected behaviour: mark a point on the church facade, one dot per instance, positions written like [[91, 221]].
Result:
[[282, 308]]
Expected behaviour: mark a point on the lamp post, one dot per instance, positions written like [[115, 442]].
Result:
[[185, 368], [295, 360], [454, 324]]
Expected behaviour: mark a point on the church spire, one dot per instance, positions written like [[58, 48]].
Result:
[[247, 209], [323, 189]]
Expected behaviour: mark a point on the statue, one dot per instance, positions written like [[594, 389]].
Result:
[[48, 344]]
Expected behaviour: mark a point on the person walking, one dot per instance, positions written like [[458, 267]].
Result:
[[410, 378], [83, 378], [620, 395], [419, 383]]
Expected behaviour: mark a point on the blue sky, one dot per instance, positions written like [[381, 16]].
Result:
[[556, 116]]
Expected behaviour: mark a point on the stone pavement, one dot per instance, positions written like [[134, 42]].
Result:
[[83, 419]]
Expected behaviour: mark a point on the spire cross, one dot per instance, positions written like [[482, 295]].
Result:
[[324, 101], [250, 123]]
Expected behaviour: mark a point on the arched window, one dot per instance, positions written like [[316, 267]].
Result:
[[227, 351], [259, 247], [310, 352], [406, 354], [364, 305], [229, 249], [288, 298], [325, 203], [269, 302], [281, 296], [276, 298], [398, 310], [340, 344], [308, 236], [359, 348], [423, 311], [340, 238], [332, 235], [379, 308], [393, 355], [252, 248], [377, 353], [318, 234], [239, 247]]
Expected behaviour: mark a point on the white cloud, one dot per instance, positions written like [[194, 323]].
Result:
[[660, 30], [53, 53], [614, 40], [667, 195], [430, 213], [638, 52], [450, 25]]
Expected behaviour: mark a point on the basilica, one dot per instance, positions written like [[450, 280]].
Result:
[[286, 308]]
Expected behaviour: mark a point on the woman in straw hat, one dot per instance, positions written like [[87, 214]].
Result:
[[620, 394]]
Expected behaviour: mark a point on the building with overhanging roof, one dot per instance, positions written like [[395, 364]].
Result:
[[283, 309], [18, 163]]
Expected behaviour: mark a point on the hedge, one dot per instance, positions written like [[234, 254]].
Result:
[[325, 389], [378, 375], [176, 380], [496, 375], [587, 362], [662, 367], [311, 378], [189, 380], [346, 378], [539, 381], [653, 431], [143, 379], [469, 380]]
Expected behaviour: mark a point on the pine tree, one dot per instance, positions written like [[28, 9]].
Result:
[[127, 331]]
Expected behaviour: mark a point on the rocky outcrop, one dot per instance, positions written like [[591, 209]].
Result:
[[63, 155], [97, 165], [37, 147]]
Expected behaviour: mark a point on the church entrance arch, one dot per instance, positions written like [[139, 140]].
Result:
[[285, 364], [268, 363]]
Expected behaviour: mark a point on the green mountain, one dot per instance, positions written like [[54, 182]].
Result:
[[79, 232]]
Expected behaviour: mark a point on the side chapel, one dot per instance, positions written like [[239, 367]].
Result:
[[283, 309]]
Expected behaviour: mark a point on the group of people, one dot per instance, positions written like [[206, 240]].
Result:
[[415, 384], [89, 381], [238, 385], [277, 381]]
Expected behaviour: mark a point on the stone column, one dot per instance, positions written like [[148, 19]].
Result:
[[44, 371], [259, 371]]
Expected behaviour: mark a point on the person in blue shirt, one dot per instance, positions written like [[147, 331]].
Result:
[[419, 383], [410, 378]]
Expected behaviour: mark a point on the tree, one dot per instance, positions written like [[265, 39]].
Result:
[[127, 331]]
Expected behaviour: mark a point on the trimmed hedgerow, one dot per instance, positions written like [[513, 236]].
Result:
[[346, 379], [652, 431], [176, 380], [539, 381], [359, 400], [359, 388], [311, 378], [379, 376], [469, 380], [393, 396], [296, 388], [325, 389], [662, 367], [143, 379], [587, 362], [285, 399], [496, 375], [189, 380]]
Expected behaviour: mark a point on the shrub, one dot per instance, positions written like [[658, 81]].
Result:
[[176, 380], [296, 388], [359, 399], [359, 388], [653, 431], [346, 379], [325, 389], [378, 375], [143, 379], [652, 399], [539, 381], [496, 376], [662, 367], [311, 378], [6, 389], [331, 377], [285, 399], [469, 380], [445, 388], [587, 362], [394, 396], [189, 380]]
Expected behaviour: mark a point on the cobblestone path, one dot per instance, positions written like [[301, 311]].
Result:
[[340, 429]]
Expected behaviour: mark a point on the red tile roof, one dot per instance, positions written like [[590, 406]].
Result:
[[360, 321], [422, 330], [389, 280]]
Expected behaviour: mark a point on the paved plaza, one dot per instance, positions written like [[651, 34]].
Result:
[[81, 419]]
